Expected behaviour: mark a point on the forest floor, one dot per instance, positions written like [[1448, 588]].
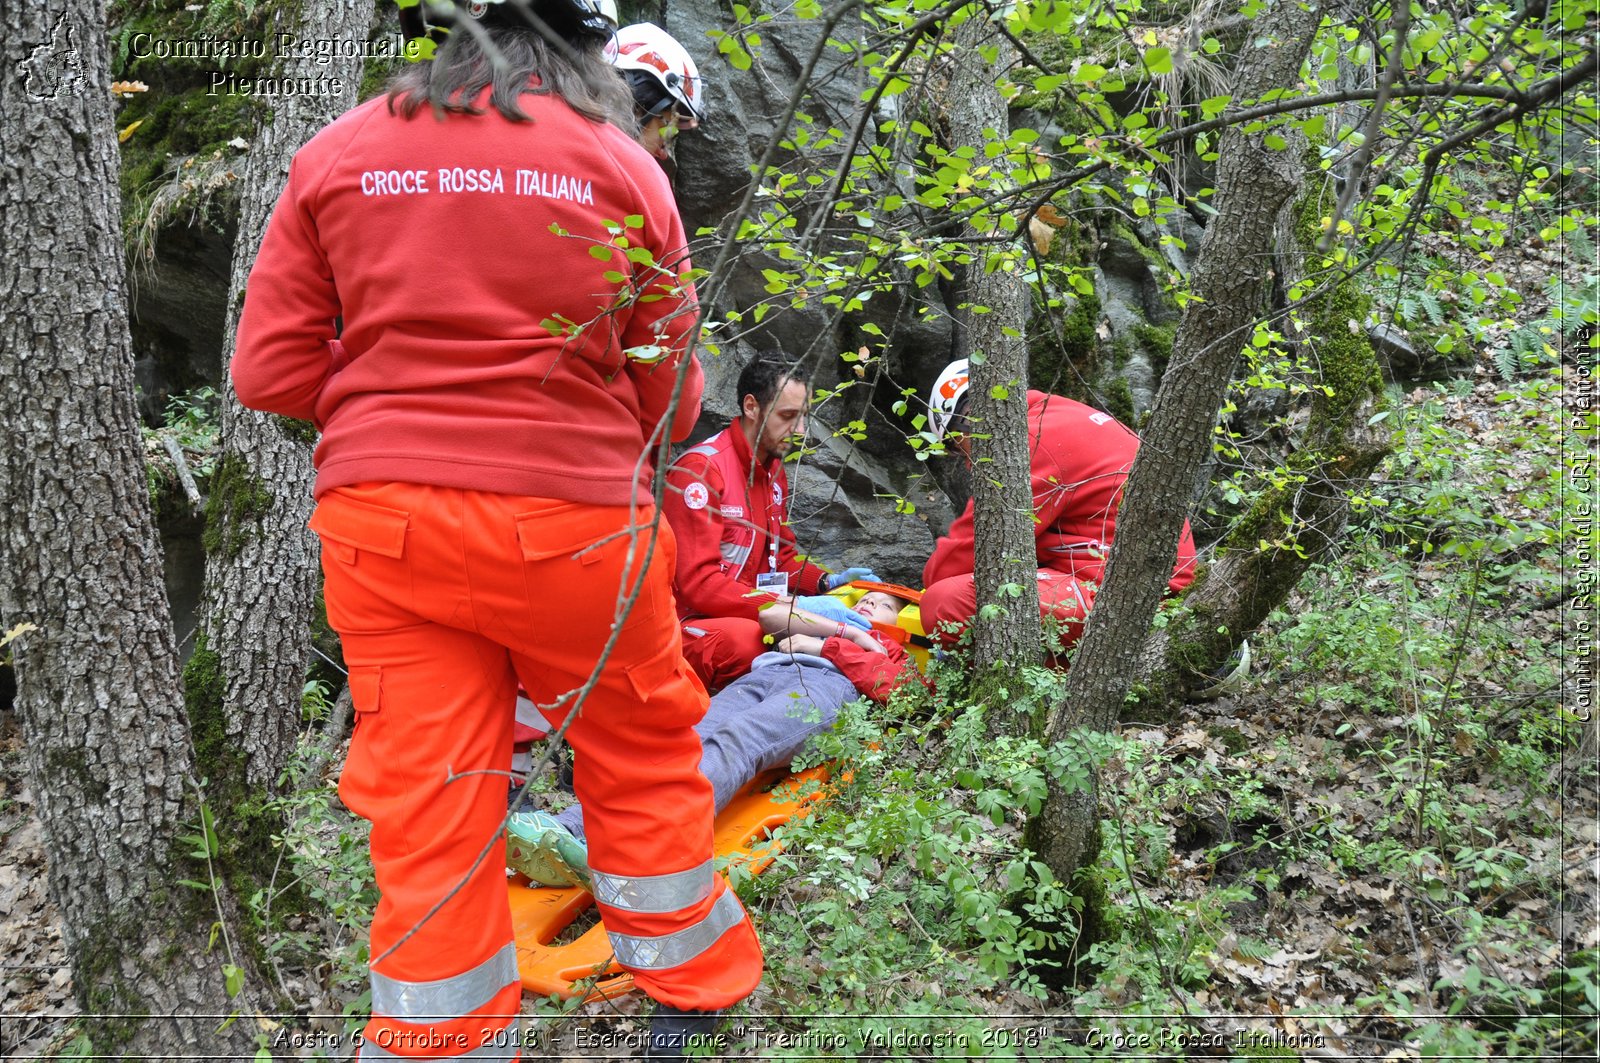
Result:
[[1385, 828], [1385, 845]]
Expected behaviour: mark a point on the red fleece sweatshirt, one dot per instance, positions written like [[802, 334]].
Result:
[[514, 313], [1079, 460], [877, 675]]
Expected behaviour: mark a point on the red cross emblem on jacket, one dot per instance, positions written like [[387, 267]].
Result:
[[729, 514]]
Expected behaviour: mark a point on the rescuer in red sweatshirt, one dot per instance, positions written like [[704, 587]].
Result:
[[508, 267], [728, 502], [1079, 461]]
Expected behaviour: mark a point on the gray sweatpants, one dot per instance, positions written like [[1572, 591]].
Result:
[[759, 721]]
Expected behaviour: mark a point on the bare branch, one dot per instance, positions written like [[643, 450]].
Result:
[[1399, 24]]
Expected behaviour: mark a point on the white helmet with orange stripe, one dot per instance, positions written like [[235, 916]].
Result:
[[659, 71], [946, 392]]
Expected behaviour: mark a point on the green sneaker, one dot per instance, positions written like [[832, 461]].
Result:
[[538, 846]]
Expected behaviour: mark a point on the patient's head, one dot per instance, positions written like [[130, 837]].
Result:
[[880, 607]]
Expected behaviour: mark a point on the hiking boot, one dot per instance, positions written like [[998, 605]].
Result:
[[537, 845], [1229, 678], [675, 1033]]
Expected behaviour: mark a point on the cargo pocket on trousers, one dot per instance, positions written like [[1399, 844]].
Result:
[[597, 540], [366, 690], [347, 526], [647, 677], [361, 767], [666, 689], [561, 531]]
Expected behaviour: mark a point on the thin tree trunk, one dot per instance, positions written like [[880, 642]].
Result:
[[1230, 282], [245, 679], [1289, 529], [108, 753], [1006, 563]]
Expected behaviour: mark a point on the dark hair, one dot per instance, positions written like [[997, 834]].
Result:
[[506, 51], [649, 98], [764, 376]]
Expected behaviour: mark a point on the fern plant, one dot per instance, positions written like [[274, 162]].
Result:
[[1539, 342]]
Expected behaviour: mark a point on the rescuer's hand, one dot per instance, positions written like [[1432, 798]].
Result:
[[849, 575], [831, 608]]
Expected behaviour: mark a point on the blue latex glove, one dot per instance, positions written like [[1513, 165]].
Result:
[[849, 575], [831, 608]]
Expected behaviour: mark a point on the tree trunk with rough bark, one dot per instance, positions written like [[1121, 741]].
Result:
[[245, 679], [1006, 631], [108, 753], [1268, 551], [1230, 282]]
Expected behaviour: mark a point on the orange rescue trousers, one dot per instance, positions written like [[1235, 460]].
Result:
[[443, 600]]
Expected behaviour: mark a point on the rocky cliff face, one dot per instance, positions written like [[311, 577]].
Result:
[[861, 495], [857, 500]]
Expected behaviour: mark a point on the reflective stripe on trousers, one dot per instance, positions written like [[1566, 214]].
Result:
[[445, 998], [502, 1042], [675, 949], [655, 893]]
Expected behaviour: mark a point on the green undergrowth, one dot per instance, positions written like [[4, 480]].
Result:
[[324, 865], [1370, 844]]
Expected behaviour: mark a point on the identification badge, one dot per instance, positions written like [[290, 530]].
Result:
[[776, 582]]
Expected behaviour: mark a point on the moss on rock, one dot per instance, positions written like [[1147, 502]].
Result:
[[1157, 342], [1118, 400], [181, 115]]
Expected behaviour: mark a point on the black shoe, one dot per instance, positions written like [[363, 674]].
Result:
[[674, 1031], [564, 768]]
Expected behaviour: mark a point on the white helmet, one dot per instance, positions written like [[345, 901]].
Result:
[[946, 392], [658, 69]]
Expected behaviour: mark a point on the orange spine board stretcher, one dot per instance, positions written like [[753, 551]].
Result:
[[586, 967]]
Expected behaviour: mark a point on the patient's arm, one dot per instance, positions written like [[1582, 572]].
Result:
[[784, 618], [812, 644]]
